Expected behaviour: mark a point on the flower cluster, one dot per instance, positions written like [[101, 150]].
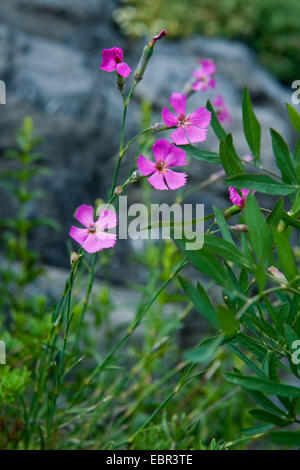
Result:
[[188, 128]]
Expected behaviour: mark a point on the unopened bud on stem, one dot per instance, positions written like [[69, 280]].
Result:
[[118, 190], [146, 56], [74, 258], [120, 82]]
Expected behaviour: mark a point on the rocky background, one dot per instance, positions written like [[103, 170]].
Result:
[[50, 52]]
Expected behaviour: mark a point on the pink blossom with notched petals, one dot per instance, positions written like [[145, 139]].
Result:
[[94, 236], [166, 156], [112, 59], [191, 128], [204, 75], [221, 110], [235, 197]]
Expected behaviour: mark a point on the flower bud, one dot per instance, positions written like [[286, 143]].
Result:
[[146, 56], [277, 274], [74, 258], [118, 190], [240, 228], [120, 82]]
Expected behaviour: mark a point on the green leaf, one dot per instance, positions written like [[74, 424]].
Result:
[[207, 264], [285, 254], [223, 225], [199, 154], [250, 345], [294, 117], [297, 160], [259, 231], [230, 160], [201, 301], [260, 429], [283, 158], [275, 216], [287, 438], [246, 360], [225, 249], [215, 124], [227, 321], [205, 351], [268, 417], [252, 127], [264, 385], [262, 184]]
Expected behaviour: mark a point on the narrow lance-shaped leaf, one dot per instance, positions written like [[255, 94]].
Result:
[[215, 124], [283, 158], [264, 385], [200, 154], [259, 231], [223, 224], [230, 160], [262, 184], [206, 350], [252, 127], [294, 117], [285, 254], [201, 301]]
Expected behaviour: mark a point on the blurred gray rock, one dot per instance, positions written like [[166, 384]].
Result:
[[49, 58]]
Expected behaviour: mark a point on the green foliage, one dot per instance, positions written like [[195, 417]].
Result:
[[237, 383], [271, 27]]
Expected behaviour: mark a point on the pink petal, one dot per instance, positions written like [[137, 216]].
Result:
[[107, 219], [212, 83], [118, 52], [85, 215], [178, 102], [78, 234], [179, 137], [109, 60], [96, 242], [198, 85], [201, 117], [123, 69], [208, 67], [176, 157], [245, 193], [161, 149], [157, 181], [218, 102], [196, 134], [234, 197], [199, 74], [175, 180], [168, 117], [145, 166]]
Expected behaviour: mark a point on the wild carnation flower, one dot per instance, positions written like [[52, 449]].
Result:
[[204, 75], [166, 156], [191, 127], [221, 110], [93, 237], [235, 197], [112, 59]]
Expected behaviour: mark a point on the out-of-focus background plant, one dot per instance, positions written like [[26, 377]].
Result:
[[270, 27]]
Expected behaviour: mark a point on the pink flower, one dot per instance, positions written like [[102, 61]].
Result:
[[191, 127], [93, 237], [112, 59], [204, 75], [221, 109], [166, 156], [235, 197]]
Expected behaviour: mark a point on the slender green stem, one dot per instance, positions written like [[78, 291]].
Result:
[[132, 328], [86, 302]]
